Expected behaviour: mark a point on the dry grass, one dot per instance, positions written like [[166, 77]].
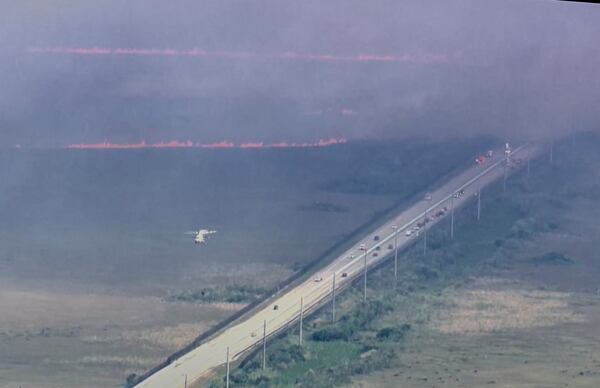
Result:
[[62, 337], [116, 361], [480, 311], [168, 337]]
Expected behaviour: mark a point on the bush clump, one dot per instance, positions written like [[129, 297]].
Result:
[[329, 334], [551, 258], [393, 333], [284, 357], [227, 294]]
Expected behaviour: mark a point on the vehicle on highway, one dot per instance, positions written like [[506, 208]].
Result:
[[317, 280], [459, 193], [408, 232], [344, 274], [276, 307]]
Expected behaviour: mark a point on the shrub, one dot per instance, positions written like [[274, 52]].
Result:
[[130, 380], [285, 356], [552, 258], [425, 273], [330, 334], [229, 294], [393, 333]]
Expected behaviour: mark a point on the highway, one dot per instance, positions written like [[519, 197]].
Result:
[[247, 332]]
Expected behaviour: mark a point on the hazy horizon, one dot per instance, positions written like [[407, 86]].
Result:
[[214, 71]]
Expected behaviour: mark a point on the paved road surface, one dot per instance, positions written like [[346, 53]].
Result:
[[248, 331]]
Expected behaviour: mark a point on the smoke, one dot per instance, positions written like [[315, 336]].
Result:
[[436, 58], [77, 72], [106, 145], [142, 144]]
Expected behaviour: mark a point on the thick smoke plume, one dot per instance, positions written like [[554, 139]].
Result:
[[198, 53], [222, 144], [81, 72]]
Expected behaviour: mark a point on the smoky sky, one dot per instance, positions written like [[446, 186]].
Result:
[[513, 67]]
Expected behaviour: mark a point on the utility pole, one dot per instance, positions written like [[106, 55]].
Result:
[[425, 234], [479, 202], [227, 370], [301, 316], [264, 358], [333, 299], [395, 228], [365, 277], [505, 175], [185, 381], [452, 217]]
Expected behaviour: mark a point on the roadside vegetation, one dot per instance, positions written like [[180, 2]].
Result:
[[399, 168], [370, 337], [227, 294]]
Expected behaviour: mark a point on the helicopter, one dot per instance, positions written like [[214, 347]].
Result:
[[201, 235]]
